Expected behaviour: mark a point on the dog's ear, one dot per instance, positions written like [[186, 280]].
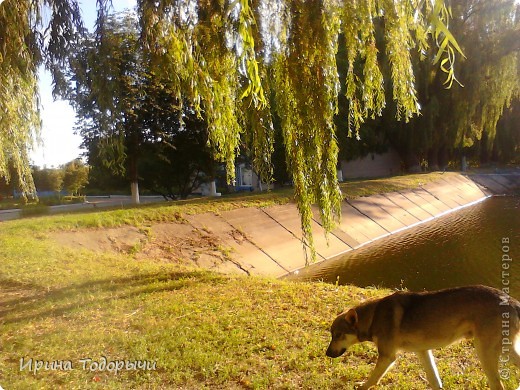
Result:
[[351, 317]]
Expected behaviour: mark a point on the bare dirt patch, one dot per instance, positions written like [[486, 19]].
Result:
[[178, 243], [122, 239], [183, 243]]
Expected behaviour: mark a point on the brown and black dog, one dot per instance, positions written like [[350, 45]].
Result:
[[420, 322]]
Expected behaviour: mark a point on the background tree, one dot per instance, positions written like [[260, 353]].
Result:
[[102, 179], [506, 148], [130, 119], [48, 179], [177, 168], [490, 35], [107, 91], [451, 120], [75, 176], [9, 187]]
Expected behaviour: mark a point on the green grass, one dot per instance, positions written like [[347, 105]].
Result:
[[356, 188], [202, 330]]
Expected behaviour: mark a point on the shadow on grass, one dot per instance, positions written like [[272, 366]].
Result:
[[38, 303]]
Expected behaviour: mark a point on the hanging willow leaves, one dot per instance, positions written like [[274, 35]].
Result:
[[490, 73], [223, 55], [27, 40], [197, 40], [307, 86]]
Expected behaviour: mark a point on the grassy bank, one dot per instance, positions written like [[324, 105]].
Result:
[[196, 329], [143, 215]]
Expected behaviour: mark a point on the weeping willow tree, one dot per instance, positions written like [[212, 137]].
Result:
[[32, 33], [489, 33], [235, 59]]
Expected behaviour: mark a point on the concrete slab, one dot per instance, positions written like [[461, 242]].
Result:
[[451, 184], [416, 211], [508, 183], [488, 182], [399, 213], [358, 226], [432, 200], [288, 216], [504, 181], [420, 202], [401, 207], [264, 232], [372, 208], [444, 193], [244, 254], [466, 189], [349, 241]]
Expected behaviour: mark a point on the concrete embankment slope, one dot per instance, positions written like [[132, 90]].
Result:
[[268, 241]]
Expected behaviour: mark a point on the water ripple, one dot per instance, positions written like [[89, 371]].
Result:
[[464, 247]]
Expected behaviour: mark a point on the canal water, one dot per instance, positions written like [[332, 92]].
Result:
[[476, 245]]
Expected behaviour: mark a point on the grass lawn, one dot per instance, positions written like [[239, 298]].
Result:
[[195, 329]]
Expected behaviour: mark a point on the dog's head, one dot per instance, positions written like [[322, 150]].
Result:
[[344, 333]]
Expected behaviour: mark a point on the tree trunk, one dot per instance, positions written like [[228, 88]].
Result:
[[134, 181], [443, 157], [134, 187], [413, 163], [213, 189], [484, 151], [433, 158], [464, 164]]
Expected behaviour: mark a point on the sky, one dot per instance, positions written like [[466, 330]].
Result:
[[60, 144]]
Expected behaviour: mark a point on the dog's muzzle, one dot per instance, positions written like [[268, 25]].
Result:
[[332, 353]]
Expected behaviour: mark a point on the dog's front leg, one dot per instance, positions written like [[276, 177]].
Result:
[[432, 374], [384, 362]]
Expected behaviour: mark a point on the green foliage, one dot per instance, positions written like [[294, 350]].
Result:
[[507, 143], [107, 91], [490, 74], [180, 163], [137, 126], [218, 53], [460, 120], [28, 40], [306, 100], [75, 176], [48, 179]]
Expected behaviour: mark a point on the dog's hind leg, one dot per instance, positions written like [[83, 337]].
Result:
[[426, 359], [488, 355]]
